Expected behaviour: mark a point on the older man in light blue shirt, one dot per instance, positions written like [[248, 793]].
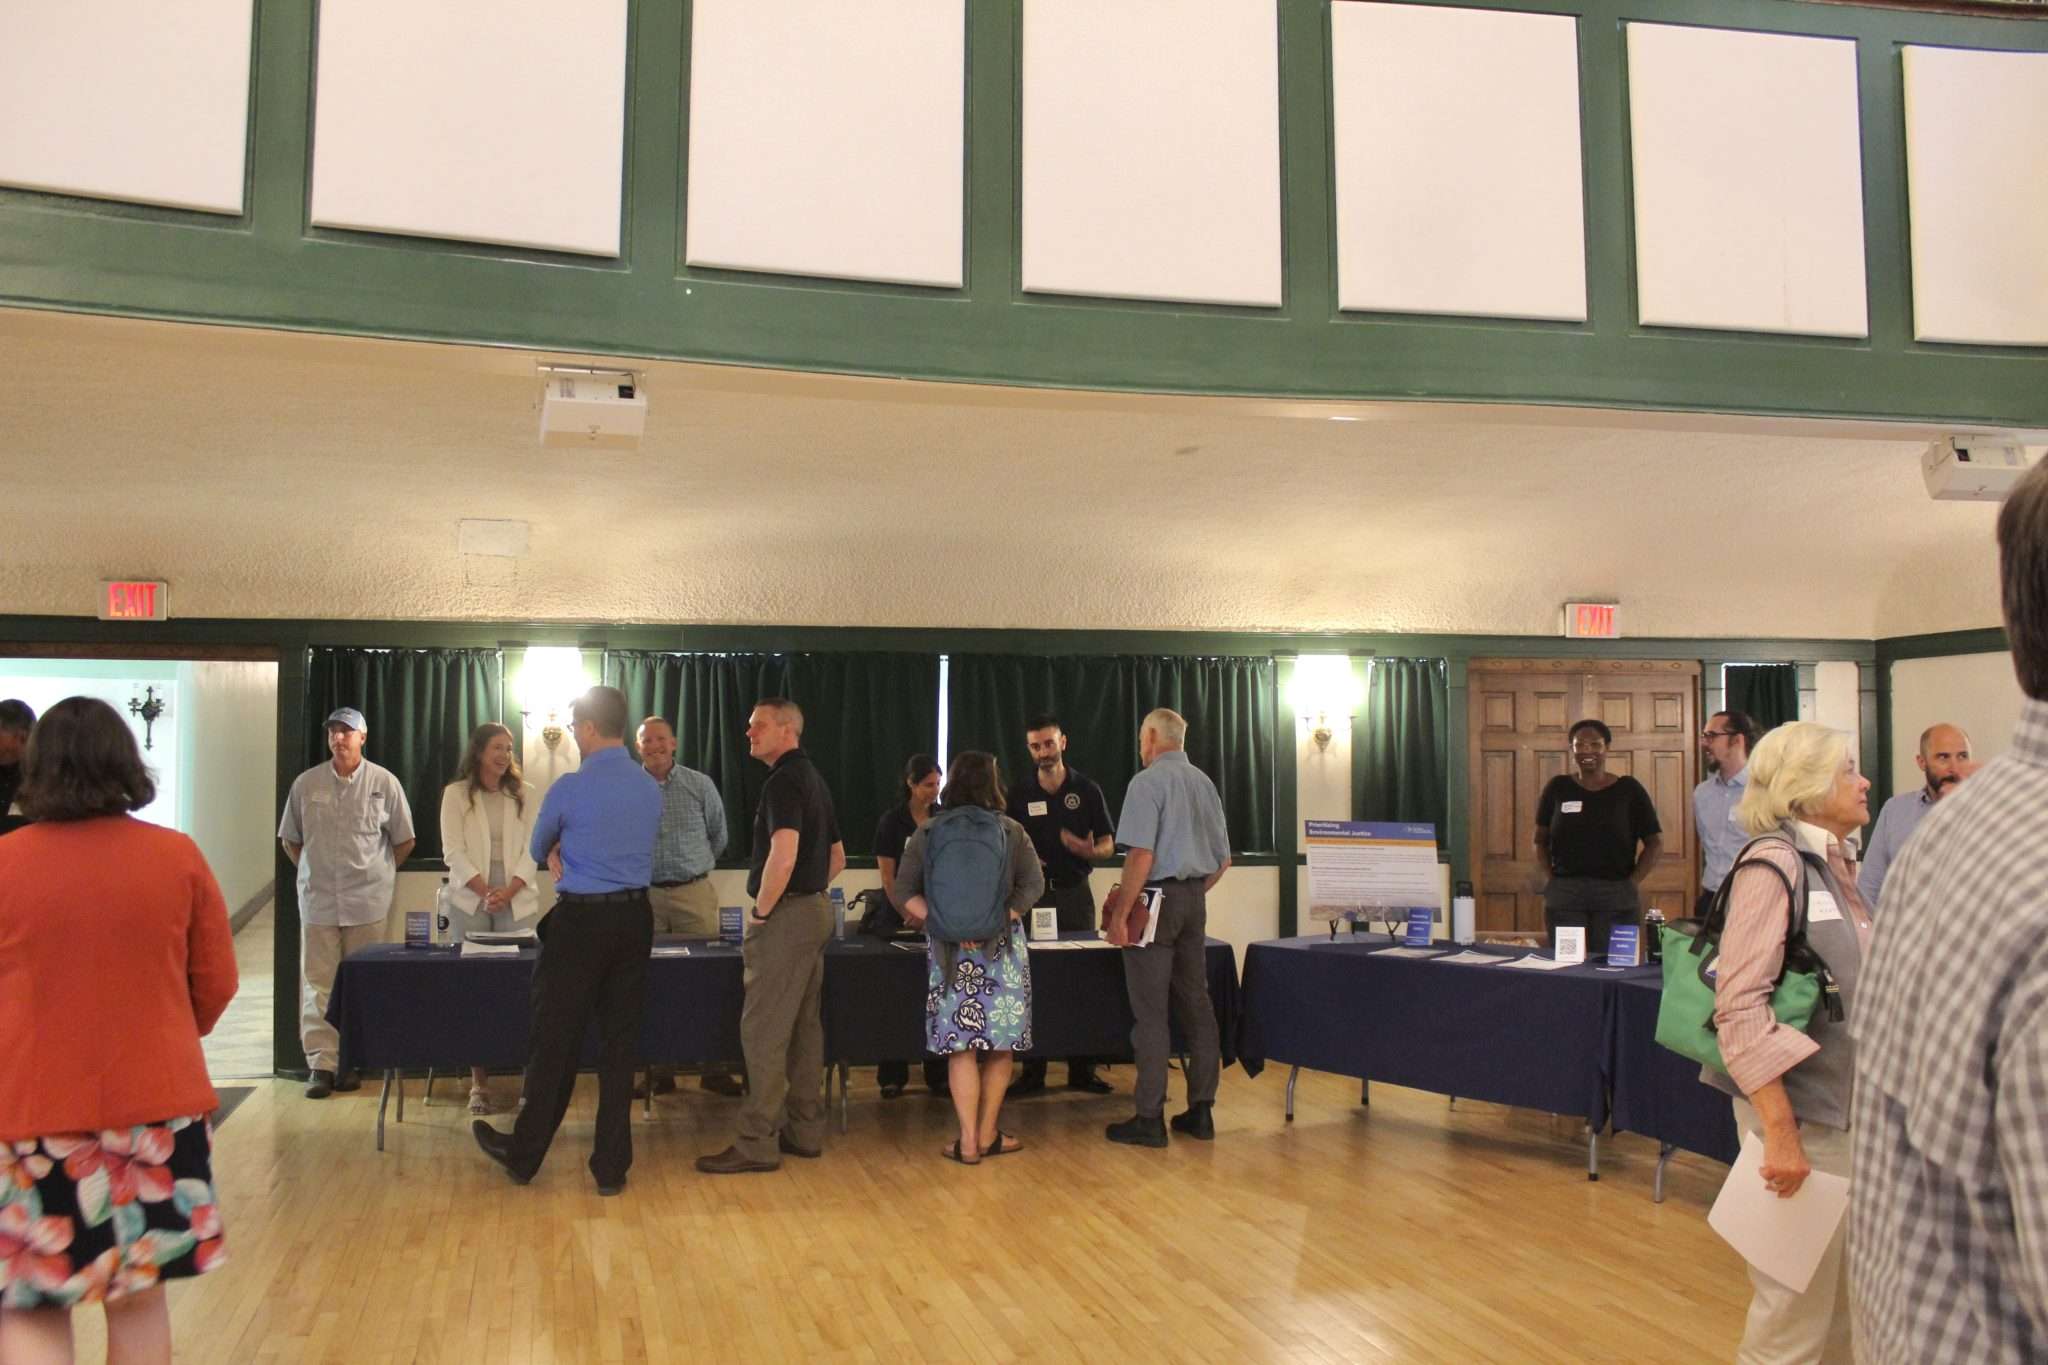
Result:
[[1176, 844], [1944, 760], [1726, 741]]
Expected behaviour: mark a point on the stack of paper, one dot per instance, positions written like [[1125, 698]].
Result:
[[1537, 964], [472, 948], [1469, 958]]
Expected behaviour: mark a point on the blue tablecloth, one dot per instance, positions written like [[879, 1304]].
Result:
[[1538, 1039], [1657, 1092], [875, 995], [399, 1007]]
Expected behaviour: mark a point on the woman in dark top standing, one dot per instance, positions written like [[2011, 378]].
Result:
[[921, 794], [1598, 834]]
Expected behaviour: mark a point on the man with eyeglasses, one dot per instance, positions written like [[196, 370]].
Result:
[[1944, 760], [1726, 742]]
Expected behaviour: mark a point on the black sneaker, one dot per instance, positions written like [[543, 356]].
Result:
[[347, 1081], [1196, 1123], [319, 1085], [1138, 1131], [1084, 1078]]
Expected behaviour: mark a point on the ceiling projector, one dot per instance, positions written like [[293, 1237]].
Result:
[[1973, 468], [586, 409]]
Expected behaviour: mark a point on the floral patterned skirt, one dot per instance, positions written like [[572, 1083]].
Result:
[[985, 1003], [86, 1217]]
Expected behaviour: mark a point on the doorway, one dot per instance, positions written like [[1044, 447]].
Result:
[[1519, 716]]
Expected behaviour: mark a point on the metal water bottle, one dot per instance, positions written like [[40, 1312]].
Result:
[[1653, 930]]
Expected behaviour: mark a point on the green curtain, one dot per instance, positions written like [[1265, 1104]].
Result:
[[991, 697], [1769, 692], [1399, 769], [1101, 700], [420, 705], [864, 714]]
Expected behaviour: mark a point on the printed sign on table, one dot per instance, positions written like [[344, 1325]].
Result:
[[1367, 869]]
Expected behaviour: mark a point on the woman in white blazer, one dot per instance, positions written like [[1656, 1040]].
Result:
[[486, 827]]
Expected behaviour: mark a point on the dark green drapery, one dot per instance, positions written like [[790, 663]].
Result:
[[1769, 692], [1399, 770], [1101, 701], [420, 705], [864, 714]]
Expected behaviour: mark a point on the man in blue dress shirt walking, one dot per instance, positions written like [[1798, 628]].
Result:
[[601, 822]]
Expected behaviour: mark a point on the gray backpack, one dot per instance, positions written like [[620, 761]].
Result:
[[966, 876]]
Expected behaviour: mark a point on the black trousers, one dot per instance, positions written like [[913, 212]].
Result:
[[1076, 906], [1596, 903], [593, 964]]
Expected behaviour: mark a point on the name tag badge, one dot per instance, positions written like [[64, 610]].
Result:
[[1570, 807], [1035, 808], [1821, 909]]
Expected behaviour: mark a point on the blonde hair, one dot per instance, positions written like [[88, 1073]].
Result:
[[1792, 771], [1169, 726]]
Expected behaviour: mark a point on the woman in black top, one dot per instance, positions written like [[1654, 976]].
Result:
[[1598, 834], [921, 794]]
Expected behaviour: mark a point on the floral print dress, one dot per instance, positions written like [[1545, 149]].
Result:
[[985, 1003], [86, 1217]]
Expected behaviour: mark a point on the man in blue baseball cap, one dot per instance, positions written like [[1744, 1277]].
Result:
[[347, 828]]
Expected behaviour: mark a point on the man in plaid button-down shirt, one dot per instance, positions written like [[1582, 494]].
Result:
[[1948, 1238]]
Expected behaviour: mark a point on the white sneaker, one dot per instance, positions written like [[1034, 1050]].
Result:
[[479, 1101]]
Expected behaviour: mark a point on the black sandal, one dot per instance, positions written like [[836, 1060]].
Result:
[[951, 1151]]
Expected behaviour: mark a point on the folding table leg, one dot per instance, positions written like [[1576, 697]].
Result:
[[1365, 1092], [427, 1100], [384, 1098], [844, 1071], [399, 1081], [1592, 1154], [647, 1093], [1664, 1151], [1293, 1075]]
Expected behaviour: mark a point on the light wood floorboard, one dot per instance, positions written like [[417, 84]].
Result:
[[1407, 1231], [242, 1043]]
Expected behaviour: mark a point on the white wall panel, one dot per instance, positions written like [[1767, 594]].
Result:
[[1979, 692], [479, 120], [1748, 181], [827, 138], [1977, 171], [1459, 186], [127, 99], [1152, 149]]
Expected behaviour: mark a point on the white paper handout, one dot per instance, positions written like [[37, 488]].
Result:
[[1410, 952], [472, 948], [1469, 958], [1783, 1238], [1537, 964]]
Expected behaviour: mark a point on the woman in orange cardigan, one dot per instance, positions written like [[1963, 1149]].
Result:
[[115, 957]]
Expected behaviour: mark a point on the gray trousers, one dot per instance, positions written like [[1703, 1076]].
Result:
[[782, 1028], [1174, 971], [1596, 903]]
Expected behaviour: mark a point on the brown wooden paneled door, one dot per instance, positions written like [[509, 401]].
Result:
[[1520, 712]]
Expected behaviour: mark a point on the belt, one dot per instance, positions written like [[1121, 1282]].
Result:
[[605, 897], [686, 881], [1176, 881]]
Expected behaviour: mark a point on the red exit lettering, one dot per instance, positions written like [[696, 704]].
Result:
[[132, 601]]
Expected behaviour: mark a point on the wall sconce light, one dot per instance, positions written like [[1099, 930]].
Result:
[[149, 708], [1323, 687], [550, 680]]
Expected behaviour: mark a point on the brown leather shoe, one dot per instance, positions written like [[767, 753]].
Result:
[[791, 1149], [732, 1162]]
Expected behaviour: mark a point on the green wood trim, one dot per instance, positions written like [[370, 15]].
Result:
[[1286, 797], [270, 268], [1989, 640]]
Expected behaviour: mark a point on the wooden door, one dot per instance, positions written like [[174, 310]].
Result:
[[1520, 713]]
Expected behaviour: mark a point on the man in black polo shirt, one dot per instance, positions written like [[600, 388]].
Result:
[[1068, 821], [797, 854]]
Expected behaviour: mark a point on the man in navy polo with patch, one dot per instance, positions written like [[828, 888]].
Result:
[[596, 830], [1063, 811]]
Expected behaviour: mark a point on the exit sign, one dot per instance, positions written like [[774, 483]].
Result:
[[1592, 621], [134, 600]]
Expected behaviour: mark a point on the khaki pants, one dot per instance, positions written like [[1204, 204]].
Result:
[[690, 909], [1814, 1326], [321, 949], [782, 1029]]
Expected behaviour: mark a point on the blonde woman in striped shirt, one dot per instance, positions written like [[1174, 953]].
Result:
[[1791, 1088]]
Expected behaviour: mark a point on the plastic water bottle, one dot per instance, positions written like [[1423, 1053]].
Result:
[[442, 927]]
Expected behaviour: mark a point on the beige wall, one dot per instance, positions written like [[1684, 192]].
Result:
[[1975, 691], [231, 771]]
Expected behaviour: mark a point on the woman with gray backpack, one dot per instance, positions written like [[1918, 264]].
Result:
[[968, 877]]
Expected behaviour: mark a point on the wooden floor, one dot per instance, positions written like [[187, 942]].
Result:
[[242, 1043], [1404, 1231]]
